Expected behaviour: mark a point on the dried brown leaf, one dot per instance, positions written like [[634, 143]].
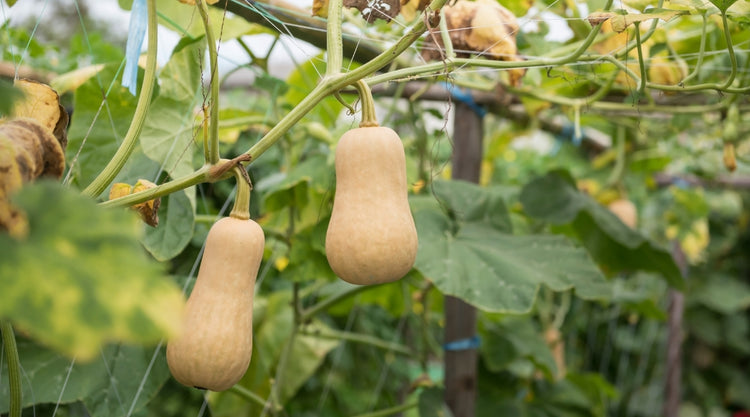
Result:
[[148, 210], [28, 150], [375, 9], [478, 27], [40, 102], [320, 8]]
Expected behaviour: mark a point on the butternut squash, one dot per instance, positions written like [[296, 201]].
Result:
[[371, 237], [214, 350]]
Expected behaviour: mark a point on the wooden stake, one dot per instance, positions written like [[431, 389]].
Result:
[[460, 317]]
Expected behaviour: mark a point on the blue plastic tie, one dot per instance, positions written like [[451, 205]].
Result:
[[136, 35], [464, 96], [463, 344]]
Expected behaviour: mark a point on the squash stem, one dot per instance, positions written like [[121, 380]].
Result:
[[241, 208], [14, 369], [369, 119]]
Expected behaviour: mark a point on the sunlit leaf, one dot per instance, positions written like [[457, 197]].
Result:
[[465, 251], [81, 278]]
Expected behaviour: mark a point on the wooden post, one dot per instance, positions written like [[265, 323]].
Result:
[[673, 380], [460, 317]]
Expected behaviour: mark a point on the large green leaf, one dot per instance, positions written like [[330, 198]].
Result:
[[465, 252], [554, 198], [176, 221], [80, 278], [120, 379], [167, 136], [97, 126]]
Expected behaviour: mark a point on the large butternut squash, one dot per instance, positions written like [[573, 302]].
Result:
[[214, 350], [371, 238]]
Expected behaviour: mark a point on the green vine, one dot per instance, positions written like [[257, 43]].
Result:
[[108, 174], [14, 369], [213, 125]]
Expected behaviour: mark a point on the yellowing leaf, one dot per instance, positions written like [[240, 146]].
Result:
[[40, 102], [81, 279], [320, 8], [148, 210], [483, 27]]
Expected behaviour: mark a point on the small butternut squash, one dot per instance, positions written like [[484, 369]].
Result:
[[371, 237], [214, 350]]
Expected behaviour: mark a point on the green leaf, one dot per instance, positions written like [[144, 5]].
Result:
[[121, 378], [723, 5], [167, 136], [80, 278], [97, 127], [175, 229], [724, 294], [432, 403], [464, 251], [554, 198], [307, 256]]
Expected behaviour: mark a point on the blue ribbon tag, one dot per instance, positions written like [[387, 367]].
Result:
[[136, 34], [464, 96], [463, 344]]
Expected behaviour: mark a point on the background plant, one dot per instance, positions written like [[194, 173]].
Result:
[[661, 90]]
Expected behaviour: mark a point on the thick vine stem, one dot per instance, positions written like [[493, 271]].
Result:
[[213, 133], [334, 40], [331, 84], [369, 118], [108, 174], [241, 208], [14, 369], [201, 175]]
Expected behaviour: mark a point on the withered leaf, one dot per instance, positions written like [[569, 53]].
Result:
[[410, 8], [40, 102], [599, 17], [481, 27], [320, 8], [376, 9], [148, 210], [28, 150]]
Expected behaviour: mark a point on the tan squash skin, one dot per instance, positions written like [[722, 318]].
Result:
[[214, 350], [371, 238]]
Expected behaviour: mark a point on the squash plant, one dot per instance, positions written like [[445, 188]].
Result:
[[569, 296]]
